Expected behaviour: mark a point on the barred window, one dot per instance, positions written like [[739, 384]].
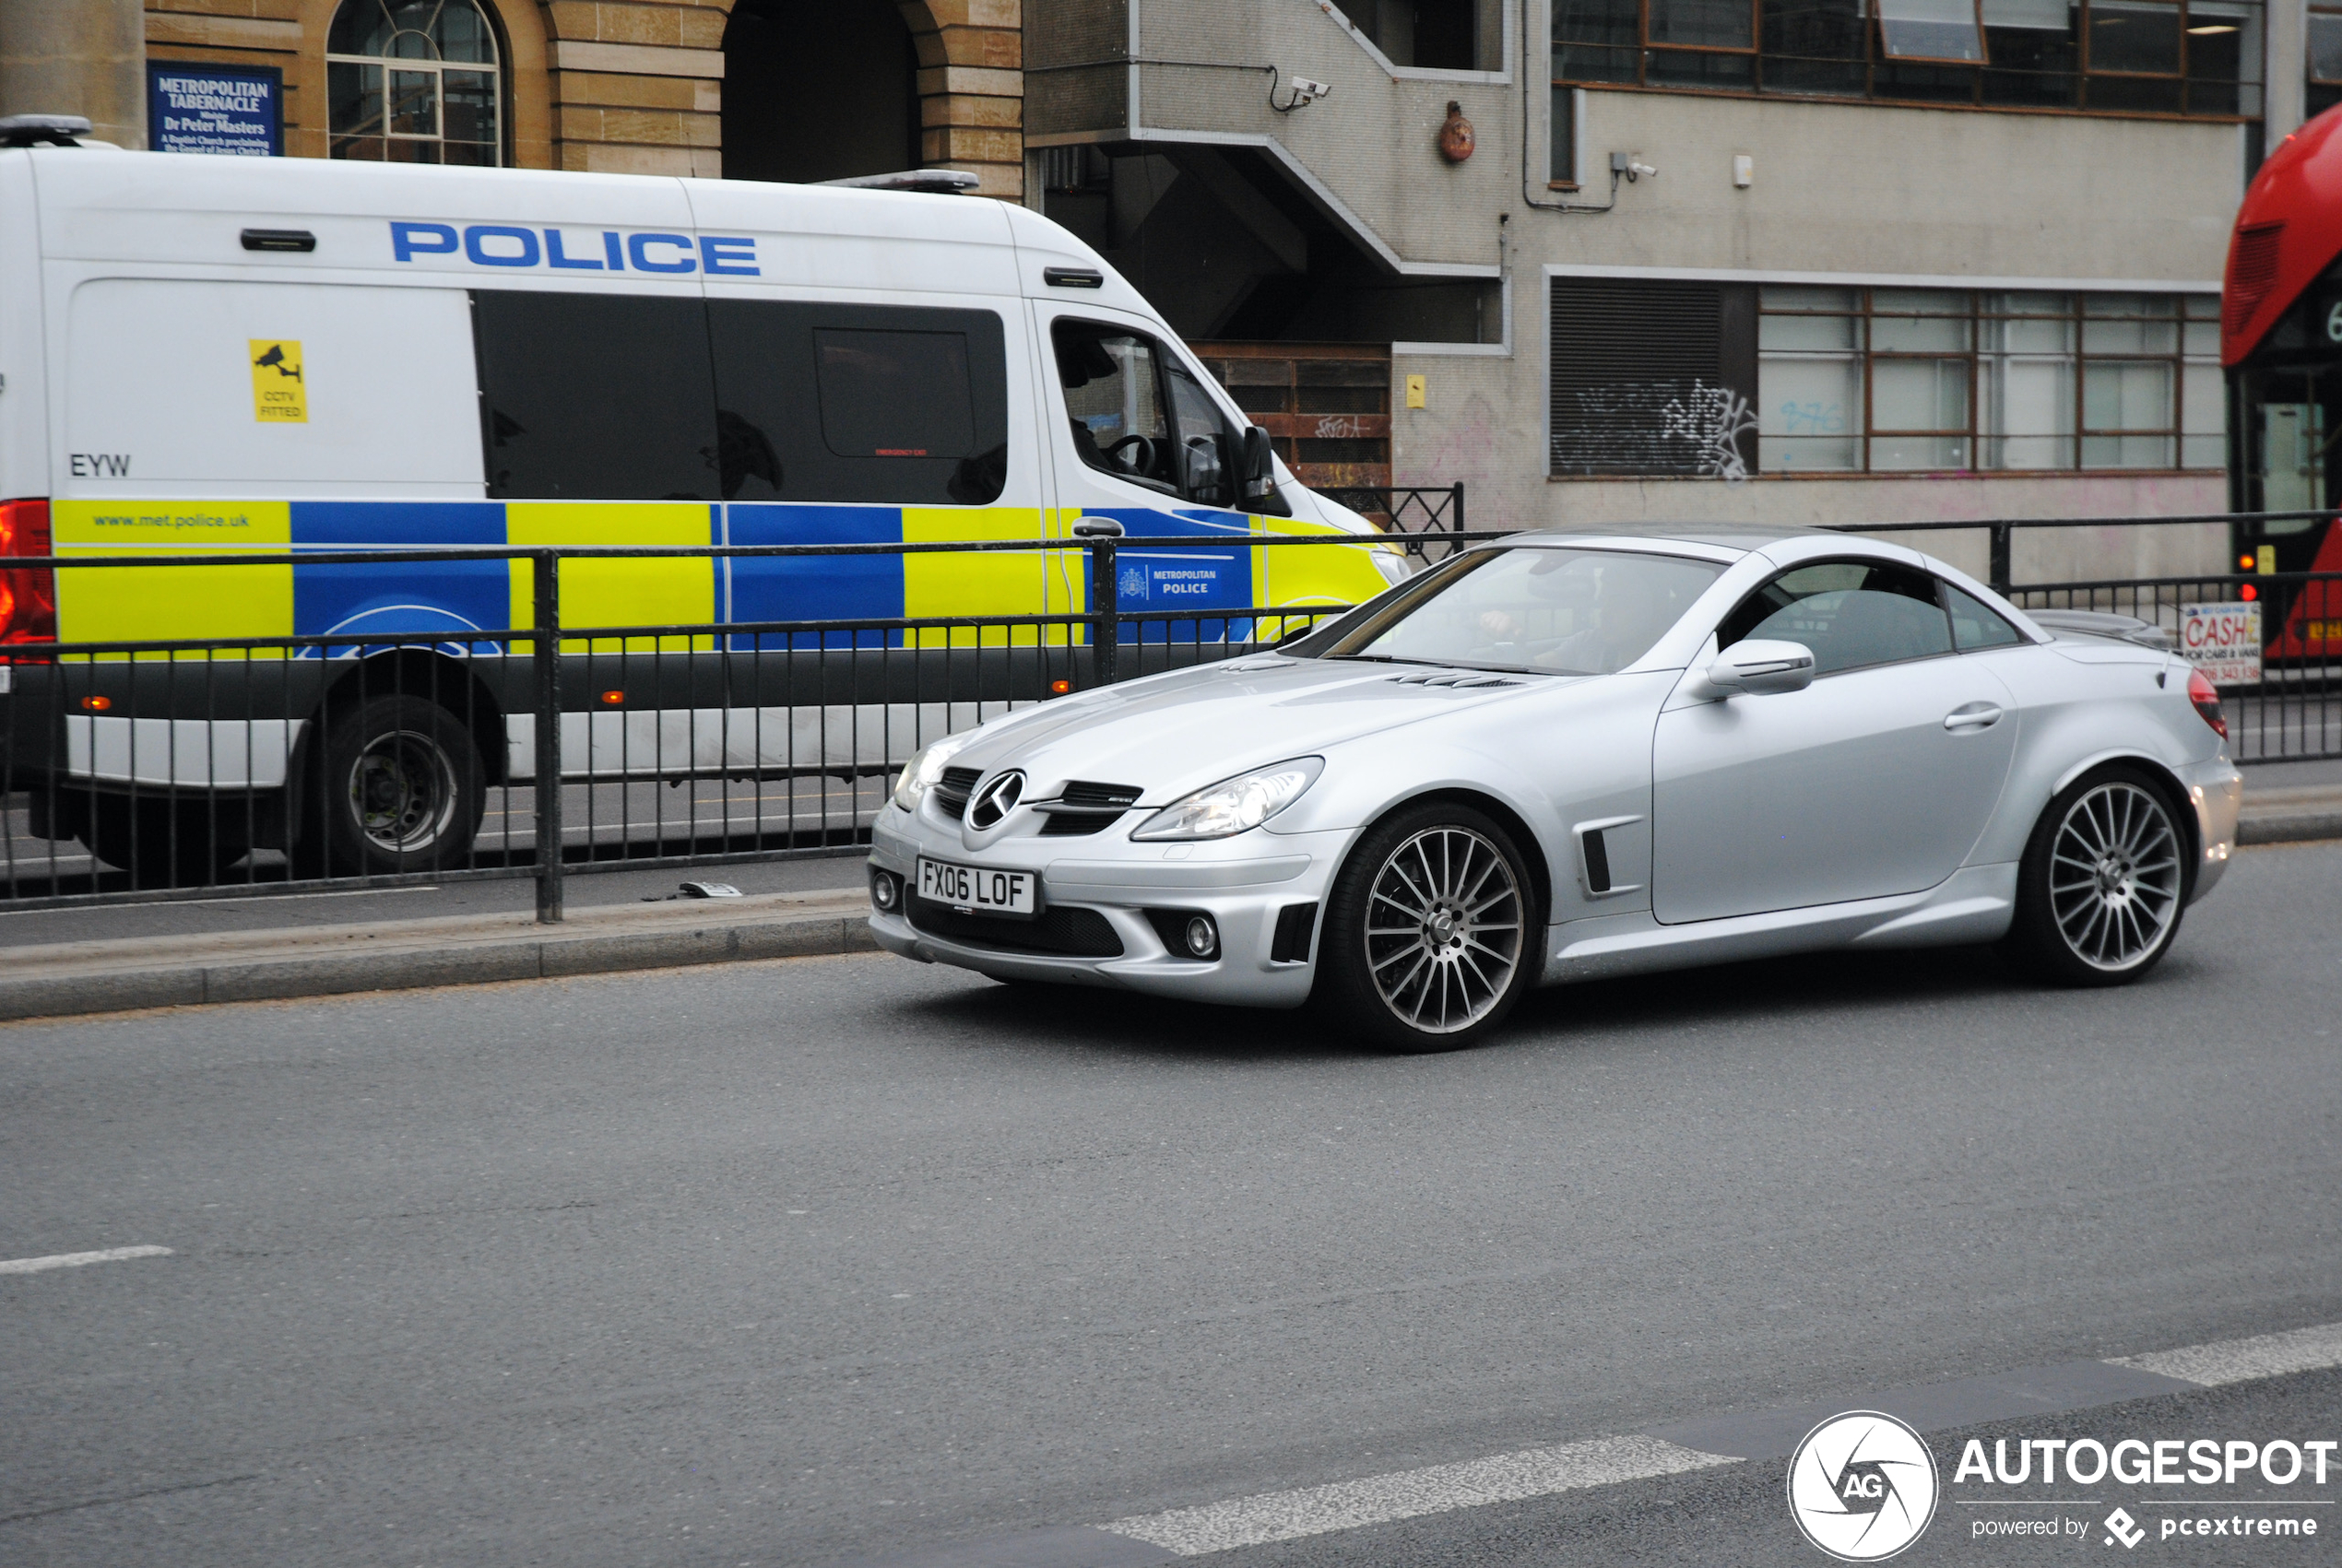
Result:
[[1915, 379], [414, 81], [2192, 58]]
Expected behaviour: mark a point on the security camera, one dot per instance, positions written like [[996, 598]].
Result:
[[1307, 91], [1622, 164]]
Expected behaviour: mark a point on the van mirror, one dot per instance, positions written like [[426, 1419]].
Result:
[[1259, 469]]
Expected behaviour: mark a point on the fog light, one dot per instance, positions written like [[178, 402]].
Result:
[[1203, 940], [886, 891]]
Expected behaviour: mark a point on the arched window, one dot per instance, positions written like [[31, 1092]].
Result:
[[415, 81]]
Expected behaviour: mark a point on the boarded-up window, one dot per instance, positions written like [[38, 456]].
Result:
[[1653, 376]]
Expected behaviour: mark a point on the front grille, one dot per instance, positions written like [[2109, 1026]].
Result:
[[953, 790], [1068, 933], [1102, 804]]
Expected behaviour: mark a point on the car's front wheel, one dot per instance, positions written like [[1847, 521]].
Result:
[[1430, 930], [2102, 882]]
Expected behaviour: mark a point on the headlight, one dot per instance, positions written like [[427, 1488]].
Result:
[[921, 773], [1233, 806]]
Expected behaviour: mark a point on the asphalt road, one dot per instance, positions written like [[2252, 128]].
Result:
[[771, 1264]]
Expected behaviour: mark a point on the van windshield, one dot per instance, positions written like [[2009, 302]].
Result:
[[1532, 610]]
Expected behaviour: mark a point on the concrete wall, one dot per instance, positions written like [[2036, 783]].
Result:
[[82, 57]]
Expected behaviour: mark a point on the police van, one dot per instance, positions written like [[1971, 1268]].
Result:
[[225, 356]]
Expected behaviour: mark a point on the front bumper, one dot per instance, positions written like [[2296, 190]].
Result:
[[2217, 791], [1243, 883]]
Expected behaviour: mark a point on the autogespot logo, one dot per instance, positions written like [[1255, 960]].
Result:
[[1861, 1486]]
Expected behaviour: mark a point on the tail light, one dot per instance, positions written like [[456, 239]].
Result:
[[28, 594], [2201, 692]]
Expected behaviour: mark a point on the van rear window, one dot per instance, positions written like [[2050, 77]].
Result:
[[595, 397]]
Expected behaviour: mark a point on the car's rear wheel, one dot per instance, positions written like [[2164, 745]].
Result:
[[403, 787], [1429, 933], [2103, 881]]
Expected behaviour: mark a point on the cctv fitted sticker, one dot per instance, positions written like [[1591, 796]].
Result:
[[279, 395]]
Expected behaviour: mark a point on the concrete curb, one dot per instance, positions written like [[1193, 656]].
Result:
[[2288, 826], [102, 977]]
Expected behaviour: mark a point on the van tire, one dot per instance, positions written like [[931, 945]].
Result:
[[400, 788], [164, 843]]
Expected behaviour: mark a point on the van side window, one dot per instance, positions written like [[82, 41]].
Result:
[[595, 397], [898, 405], [1114, 400]]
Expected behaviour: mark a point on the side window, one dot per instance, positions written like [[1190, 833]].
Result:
[[1976, 625], [1210, 454], [595, 397], [1850, 613], [1113, 397], [868, 403]]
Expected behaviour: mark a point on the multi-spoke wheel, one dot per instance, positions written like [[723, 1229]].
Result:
[[2103, 880], [1431, 929]]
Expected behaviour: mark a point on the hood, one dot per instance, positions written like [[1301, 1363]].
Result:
[[1170, 734]]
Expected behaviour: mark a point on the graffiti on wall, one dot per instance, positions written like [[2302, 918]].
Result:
[[1688, 426]]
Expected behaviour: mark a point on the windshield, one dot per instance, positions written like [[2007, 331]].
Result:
[[1542, 611]]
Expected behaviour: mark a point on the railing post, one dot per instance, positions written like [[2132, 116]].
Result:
[[1457, 510], [547, 620], [1106, 603], [2000, 572]]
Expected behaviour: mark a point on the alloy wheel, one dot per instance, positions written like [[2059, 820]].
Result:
[[1443, 929], [2115, 874]]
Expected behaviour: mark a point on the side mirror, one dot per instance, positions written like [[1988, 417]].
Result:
[[1760, 669], [1260, 463]]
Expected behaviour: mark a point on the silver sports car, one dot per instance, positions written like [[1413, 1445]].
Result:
[[1564, 756]]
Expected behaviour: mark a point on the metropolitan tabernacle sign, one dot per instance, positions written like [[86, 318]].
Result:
[[236, 110]]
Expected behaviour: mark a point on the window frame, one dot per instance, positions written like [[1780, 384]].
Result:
[[1231, 431], [497, 68], [2243, 89], [2187, 311]]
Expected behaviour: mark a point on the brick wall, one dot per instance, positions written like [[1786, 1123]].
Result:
[[633, 87]]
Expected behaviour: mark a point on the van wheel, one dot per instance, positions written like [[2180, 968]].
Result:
[[402, 785], [164, 843], [2103, 880], [1430, 931]]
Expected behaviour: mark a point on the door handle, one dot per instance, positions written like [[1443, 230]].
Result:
[[1971, 717]]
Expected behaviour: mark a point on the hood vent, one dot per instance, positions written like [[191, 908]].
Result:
[[1463, 681]]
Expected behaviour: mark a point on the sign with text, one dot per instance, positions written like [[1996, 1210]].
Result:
[[2223, 641], [235, 110]]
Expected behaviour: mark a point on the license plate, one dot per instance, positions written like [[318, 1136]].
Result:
[[977, 891]]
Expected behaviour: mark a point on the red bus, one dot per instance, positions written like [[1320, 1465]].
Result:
[[2281, 344]]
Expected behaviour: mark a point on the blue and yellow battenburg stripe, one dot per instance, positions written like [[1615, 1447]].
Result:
[[450, 598]]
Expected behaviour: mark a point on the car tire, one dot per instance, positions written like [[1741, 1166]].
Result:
[[2103, 882], [164, 843], [1431, 931], [400, 787]]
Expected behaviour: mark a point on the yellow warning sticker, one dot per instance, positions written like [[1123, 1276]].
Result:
[[279, 396]]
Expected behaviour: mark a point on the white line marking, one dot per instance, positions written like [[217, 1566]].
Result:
[[1407, 1494], [76, 1259], [2242, 1360]]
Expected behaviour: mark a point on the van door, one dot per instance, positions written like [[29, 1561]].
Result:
[[1133, 435]]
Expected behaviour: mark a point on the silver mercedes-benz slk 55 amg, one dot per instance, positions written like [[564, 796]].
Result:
[[1564, 756]]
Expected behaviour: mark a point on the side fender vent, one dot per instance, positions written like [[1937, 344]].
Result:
[[1296, 925]]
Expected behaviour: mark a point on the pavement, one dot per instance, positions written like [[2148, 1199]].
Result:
[[847, 1259], [116, 958]]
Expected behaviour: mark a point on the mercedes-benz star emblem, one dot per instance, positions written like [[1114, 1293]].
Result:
[[995, 800]]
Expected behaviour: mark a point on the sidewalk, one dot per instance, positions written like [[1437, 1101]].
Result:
[[113, 959]]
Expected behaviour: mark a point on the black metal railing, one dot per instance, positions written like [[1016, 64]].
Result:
[[2001, 532], [1430, 516], [242, 767]]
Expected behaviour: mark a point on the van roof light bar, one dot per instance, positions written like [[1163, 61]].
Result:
[[43, 130], [939, 182]]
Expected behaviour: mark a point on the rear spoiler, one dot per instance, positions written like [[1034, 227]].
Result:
[[2101, 623]]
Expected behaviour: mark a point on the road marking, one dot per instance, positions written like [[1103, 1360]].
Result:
[[1409, 1495], [2224, 1362], [76, 1259]]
